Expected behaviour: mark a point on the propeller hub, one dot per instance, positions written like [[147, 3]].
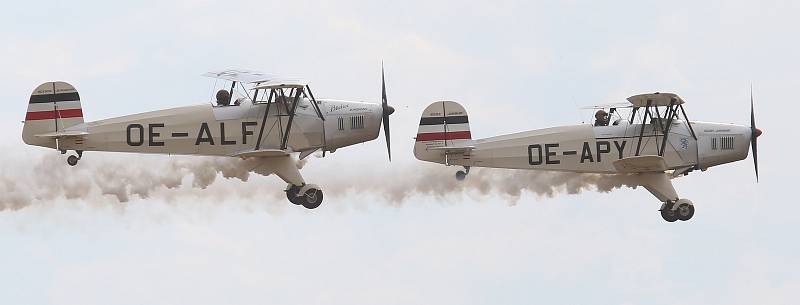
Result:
[[388, 110], [757, 132]]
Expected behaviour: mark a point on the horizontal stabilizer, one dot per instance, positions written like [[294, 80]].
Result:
[[262, 153], [641, 164], [451, 149], [58, 134]]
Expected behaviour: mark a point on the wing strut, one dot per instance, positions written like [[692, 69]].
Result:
[[291, 117], [666, 129], [687, 122], [314, 103], [264, 120], [641, 130]]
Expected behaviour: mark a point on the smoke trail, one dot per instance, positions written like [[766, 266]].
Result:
[[434, 180], [49, 178], [123, 178]]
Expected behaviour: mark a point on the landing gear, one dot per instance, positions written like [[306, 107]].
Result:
[[668, 214], [291, 194], [683, 210], [461, 175], [312, 198], [72, 160], [309, 195]]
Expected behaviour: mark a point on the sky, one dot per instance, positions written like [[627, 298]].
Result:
[[515, 65]]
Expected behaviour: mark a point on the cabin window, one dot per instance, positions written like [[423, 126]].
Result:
[[340, 123], [713, 143], [357, 122]]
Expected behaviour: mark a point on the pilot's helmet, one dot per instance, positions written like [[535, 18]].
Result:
[[600, 114], [223, 97]]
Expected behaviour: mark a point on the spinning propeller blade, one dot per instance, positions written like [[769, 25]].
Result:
[[387, 111], [754, 133]]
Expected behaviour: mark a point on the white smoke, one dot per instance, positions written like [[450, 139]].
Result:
[[114, 179]]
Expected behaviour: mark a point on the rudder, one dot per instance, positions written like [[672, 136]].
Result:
[[53, 107], [443, 124]]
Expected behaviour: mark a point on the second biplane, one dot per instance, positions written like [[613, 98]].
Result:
[[654, 141]]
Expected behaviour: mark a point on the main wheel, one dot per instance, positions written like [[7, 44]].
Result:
[[668, 214], [311, 199], [291, 194], [685, 211], [461, 175], [72, 160]]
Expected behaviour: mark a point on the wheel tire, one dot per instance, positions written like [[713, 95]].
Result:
[[461, 175], [685, 211], [291, 194], [312, 199], [668, 214], [72, 160]]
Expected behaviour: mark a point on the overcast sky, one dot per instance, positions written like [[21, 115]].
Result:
[[515, 65]]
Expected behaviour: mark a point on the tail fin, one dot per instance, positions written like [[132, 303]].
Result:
[[443, 126], [53, 107]]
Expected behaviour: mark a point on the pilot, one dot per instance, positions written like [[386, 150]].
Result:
[[223, 98], [601, 118]]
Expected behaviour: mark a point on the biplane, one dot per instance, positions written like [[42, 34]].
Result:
[[275, 120], [649, 137]]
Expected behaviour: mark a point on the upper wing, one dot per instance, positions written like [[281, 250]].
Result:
[[242, 76], [282, 83], [658, 99], [609, 105]]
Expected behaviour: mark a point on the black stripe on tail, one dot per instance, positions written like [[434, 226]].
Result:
[[442, 120], [52, 98]]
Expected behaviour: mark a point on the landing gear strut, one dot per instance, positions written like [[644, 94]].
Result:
[[682, 209], [309, 195]]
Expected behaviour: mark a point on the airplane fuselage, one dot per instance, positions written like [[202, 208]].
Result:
[[594, 149], [227, 130]]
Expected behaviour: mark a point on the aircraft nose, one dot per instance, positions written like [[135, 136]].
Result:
[[389, 110], [758, 132]]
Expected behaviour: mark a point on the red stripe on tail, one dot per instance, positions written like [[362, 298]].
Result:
[[51, 114], [434, 136]]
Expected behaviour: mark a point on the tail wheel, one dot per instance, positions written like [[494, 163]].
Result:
[[72, 160], [311, 199], [668, 214]]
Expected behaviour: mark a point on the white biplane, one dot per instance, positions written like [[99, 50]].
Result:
[[275, 120], [654, 140]]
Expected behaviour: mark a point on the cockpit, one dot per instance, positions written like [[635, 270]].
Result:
[[230, 96], [604, 118], [229, 87]]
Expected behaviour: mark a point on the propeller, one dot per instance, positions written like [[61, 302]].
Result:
[[754, 133], [387, 111]]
